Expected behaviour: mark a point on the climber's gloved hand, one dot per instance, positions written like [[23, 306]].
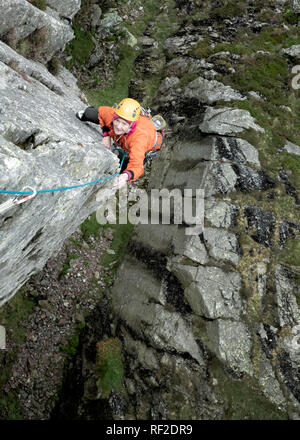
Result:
[[120, 181]]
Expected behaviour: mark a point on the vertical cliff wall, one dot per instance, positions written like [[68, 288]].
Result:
[[42, 145]]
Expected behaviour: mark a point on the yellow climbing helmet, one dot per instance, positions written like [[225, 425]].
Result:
[[128, 109]]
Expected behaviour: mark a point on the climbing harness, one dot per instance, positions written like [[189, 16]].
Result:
[[17, 200], [30, 194]]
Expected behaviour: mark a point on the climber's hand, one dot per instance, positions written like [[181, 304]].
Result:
[[120, 181], [107, 142]]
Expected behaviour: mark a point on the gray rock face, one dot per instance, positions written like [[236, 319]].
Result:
[[228, 121], [295, 5], [287, 308], [215, 294], [66, 9], [209, 92], [141, 309], [21, 19], [97, 13], [219, 213], [43, 145], [180, 45], [223, 245], [232, 344], [158, 237], [261, 224], [190, 246], [111, 18]]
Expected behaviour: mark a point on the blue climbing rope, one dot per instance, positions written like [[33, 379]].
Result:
[[66, 187]]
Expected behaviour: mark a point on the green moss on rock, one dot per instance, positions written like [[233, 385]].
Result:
[[109, 366], [242, 398]]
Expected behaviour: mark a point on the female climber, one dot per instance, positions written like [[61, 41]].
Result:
[[127, 132]]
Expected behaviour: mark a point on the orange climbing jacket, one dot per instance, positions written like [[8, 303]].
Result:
[[141, 138]]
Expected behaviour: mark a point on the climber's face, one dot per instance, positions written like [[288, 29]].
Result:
[[120, 126]]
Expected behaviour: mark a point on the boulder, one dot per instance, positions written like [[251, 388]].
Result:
[[20, 19], [269, 384], [228, 121], [222, 244], [217, 177], [66, 9], [189, 246], [231, 343], [96, 15], [130, 38], [209, 92], [180, 65], [218, 148]]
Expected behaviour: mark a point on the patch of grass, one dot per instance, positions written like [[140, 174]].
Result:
[[164, 24], [230, 8], [109, 366], [187, 77], [271, 39], [81, 47], [202, 49], [90, 227], [76, 242], [290, 254], [71, 347], [264, 74], [10, 408], [118, 89], [33, 46], [122, 234], [40, 4], [13, 312]]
